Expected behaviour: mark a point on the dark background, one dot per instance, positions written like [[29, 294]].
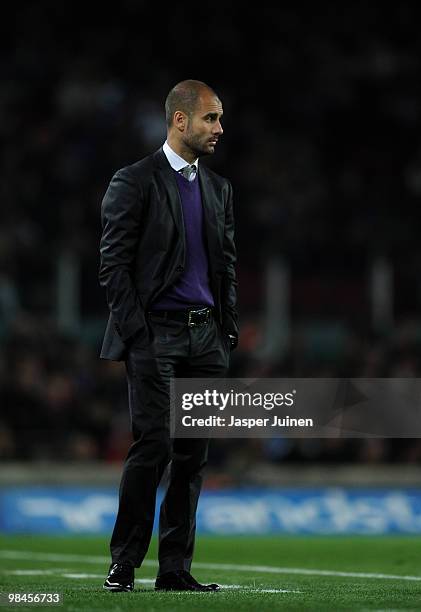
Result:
[[322, 144]]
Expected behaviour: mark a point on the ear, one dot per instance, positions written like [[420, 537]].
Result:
[[180, 120]]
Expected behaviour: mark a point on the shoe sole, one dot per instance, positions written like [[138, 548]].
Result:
[[117, 588]]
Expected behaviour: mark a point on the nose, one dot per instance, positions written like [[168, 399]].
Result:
[[218, 129]]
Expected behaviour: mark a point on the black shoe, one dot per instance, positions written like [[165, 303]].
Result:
[[120, 578], [181, 580]]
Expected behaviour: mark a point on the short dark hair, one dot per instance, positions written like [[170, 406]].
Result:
[[184, 97]]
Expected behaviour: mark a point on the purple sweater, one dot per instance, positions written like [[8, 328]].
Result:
[[192, 287]]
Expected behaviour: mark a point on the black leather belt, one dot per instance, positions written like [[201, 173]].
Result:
[[192, 317]]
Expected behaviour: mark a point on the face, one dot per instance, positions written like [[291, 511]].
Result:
[[203, 128]]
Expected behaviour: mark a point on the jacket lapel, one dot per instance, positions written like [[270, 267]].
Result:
[[169, 185], [209, 212]]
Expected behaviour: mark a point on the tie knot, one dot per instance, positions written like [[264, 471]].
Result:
[[189, 172]]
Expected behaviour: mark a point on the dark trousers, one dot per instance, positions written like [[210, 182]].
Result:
[[175, 350]]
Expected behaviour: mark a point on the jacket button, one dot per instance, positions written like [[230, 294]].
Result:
[[179, 268]]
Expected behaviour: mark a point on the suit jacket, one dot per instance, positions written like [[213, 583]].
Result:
[[143, 246]]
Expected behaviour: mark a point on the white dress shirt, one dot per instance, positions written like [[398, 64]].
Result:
[[176, 162]]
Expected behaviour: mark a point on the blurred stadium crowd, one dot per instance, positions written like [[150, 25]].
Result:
[[322, 145]]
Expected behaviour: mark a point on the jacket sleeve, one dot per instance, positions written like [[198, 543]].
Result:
[[229, 280], [120, 216]]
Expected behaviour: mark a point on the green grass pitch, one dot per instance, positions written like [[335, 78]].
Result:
[[257, 573]]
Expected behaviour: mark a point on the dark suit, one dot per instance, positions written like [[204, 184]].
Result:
[[142, 255], [142, 246]]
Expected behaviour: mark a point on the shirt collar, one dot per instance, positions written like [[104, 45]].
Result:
[[176, 162]]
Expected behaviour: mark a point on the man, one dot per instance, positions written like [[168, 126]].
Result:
[[167, 264]]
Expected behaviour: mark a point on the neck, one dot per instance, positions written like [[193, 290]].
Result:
[[181, 149]]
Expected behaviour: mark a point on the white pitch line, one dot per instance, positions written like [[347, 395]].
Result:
[[265, 569], [268, 569], [271, 591], [147, 581], [29, 572]]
